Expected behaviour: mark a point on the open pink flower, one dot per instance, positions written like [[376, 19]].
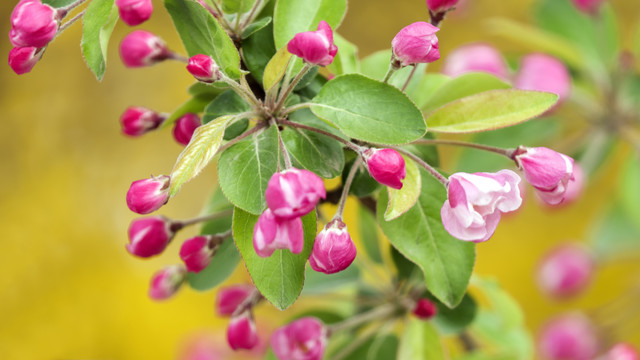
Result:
[[272, 233], [314, 47], [303, 339], [294, 193], [333, 250], [475, 57], [548, 171], [476, 202], [416, 43]]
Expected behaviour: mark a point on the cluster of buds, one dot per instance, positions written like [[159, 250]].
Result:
[[237, 302]]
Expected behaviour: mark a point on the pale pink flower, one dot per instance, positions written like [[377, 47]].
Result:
[[542, 72], [272, 233], [622, 351], [294, 193], [416, 43], [569, 337], [476, 57], [548, 171], [303, 339]]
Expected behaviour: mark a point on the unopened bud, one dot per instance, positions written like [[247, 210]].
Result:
[[242, 332], [229, 298], [416, 43], [23, 59], [149, 236], [166, 282], [184, 128], [425, 309], [134, 12], [142, 48], [148, 195], [197, 251], [566, 270], [440, 6], [204, 68], [333, 250], [137, 120], [386, 166], [33, 24]]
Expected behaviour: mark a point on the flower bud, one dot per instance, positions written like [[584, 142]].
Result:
[[33, 24], [569, 337], [149, 236], [305, 338], [204, 68], [576, 185], [439, 6], [166, 282], [134, 12], [386, 166], [294, 193], [622, 351], [425, 309], [23, 59], [588, 6], [137, 120], [414, 44], [142, 48], [333, 250], [184, 128], [148, 195], [314, 47], [229, 298], [544, 73], [197, 251], [566, 270], [272, 233], [475, 57], [242, 332], [475, 203], [549, 172]]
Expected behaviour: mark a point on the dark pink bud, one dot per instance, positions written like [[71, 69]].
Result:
[[242, 332], [622, 351], [386, 166], [414, 44], [33, 24], [196, 252], [204, 68], [134, 12], [137, 120], [544, 73], [185, 127], [294, 193], [142, 48], [566, 270], [314, 47], [548, 171], [166, 282], [569, 337], [438, 6], [272, 233], [333, 250], [305, 338], [148, 195], [23, 59], [588, 6], [425, 309], [229, 298], [149, 236], [475, 57]]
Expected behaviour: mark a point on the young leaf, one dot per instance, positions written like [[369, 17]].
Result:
[[490, 110], [98, 23], [202, 34], [203, 146], [227, 103], [258, 49], [420, 340], [400, 201], [294, 16], [320, 283], [255, 27], [58, 3], [419, 235], [280, 277], [276, 68], [245, 168], [369, 110]]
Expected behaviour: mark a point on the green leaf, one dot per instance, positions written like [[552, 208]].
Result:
[[58, 3], [429, 85], [381, 347], [490, 110], [346, 60], [400, 201], [454, 321], [405, 268], [366, 109], [368, 230], [420, 340], [629, 191], [419, 235], [616, 235], [377, 64], [245, 168], [463, 86], [201, 149], [227, 103], [202, 34], [98, 23], [255, 27], [258, 50], [363, 184], [320, 283], [280, 277], [294, 16], [237, 6], [276, 68]]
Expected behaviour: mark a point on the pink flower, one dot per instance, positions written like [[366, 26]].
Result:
[[622, 351], [386, 166], [294, 193], [303, 339], [137, 120], [569, 337], [544, 73], [142, 48], [476, 202], [588, 6], [475, 57], [414, 44], [204, 68], [272, 233], [184, 128], [33, 24], [438, 6], [166, 282], [149, 236], [576, 185], [549, 172], [333, 250], [229, 298], [148, 195], [314, 47], [23, 59], [134, 12], [242, 332], [566, 270], [425, 309], [196, 252]]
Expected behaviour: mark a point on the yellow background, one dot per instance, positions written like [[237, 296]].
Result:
[[68, 288]]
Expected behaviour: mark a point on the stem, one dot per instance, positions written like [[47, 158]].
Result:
[[357, 342], [249, 19], [66, 25], [406, 83], [378, 313], [249, 302], [424, 164], [350, 145], [293, 108], [245, 93], [203, 218], [510, 153], [347, 185], [283, 149], [178, 57], [220, 16], [249, 132], [289, 89], [467, 341], [390, 72]]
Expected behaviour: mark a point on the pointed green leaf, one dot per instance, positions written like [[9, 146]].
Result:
[[276, 68], [58, 3], [400, 201], [258, 49], [98, 23], [255, 27], [294, 16], [420, 341]]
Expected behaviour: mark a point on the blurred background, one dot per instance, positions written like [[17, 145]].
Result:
[[69, 289]]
